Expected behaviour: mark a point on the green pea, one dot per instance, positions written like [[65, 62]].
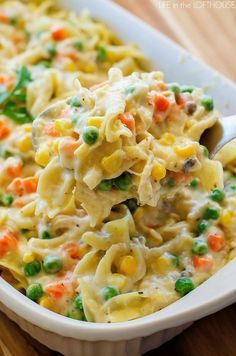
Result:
[[105, 185], [52, 264], [102, 54], [6, 199], [170, 182], [207, 102], [217, 195], [186, 88], [205, 151], [76, 314], [78, 303], [51, 49], [74, 101], [194, 183], [174, 259], [32, 268], [90, 135], [124, 181], [202, 227], [44, 63], [184, 285], [78, 45], [199, 247], [211, 213], [4, 153], [45, 235], [34, 291], [131, 204], [13, 21], [109, 292], [175, 88]]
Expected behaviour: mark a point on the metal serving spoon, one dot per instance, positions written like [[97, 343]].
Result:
[[219, 135]]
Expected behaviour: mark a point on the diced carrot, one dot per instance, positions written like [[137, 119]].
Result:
[[4, 129], [157, 118], [180, 177], [14, 169], [152, 226], [19, 203], [50, 130], [72, 249], [180, 101], [16, 187], [161, 103], [127, 119], [8, 241], [202, 263], [56, 289], [72, 54], [3, 17], [58, 33], [216, 242], [68, 147], [30, 184]]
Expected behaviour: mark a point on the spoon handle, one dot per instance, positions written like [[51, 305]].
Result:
[[219, 135]]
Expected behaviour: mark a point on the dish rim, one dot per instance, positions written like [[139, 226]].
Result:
[[143, 326]]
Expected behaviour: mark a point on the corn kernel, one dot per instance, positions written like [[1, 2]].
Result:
[[128, 265], [46, 302], [27, 128], [94, 121], [89, 68], [163, 264], [138, 214], [28, 257], [226, 217], [112, 163], [63, 126], [158, 171], [25, 143], [117, 280], [55, 146], [42, 157], [167, 139], [69, 66], [3, 217], [186, 151]]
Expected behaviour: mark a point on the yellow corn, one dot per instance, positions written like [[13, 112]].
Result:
[[138, 214], [42, 157], [47, 303], [63, 126], [186, 151], [3, 217], [158, 171], [226, 217], [112, 163], [117, 280], [89, 68], [69, 66], [55, 146], [167, 139], [94, 121], [28, 257], [25, 143], [27, 128], [128, 265], [163, 264]]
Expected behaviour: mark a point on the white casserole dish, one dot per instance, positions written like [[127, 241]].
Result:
[[72, 337]]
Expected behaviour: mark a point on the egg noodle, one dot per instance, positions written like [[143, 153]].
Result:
[[110, 209]]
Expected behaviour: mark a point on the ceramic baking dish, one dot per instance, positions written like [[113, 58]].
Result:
[[72, 337]]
